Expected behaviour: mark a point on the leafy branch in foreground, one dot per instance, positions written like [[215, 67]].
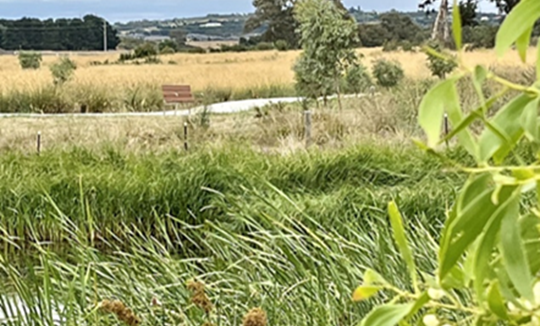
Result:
[[489, 249]]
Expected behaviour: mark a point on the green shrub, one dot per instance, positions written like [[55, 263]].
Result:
[[126, 57], [215, 95], [234, 48], [93, 99], [480, 37], [167, 50], [438, 66], [388, 73], [144, 51], [169, 45], [266, 91], [47, 100], [152, 60], [390, 46], [357, 79], [140, 98], [307, 83], [406, 46], [30, 60], [281, 45], [63, 70], [264, 46], [196, 50]]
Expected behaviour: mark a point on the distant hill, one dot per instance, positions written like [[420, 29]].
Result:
[[231, 27], [211, 27]]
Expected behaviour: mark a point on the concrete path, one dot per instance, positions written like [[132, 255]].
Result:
[[225, 107]]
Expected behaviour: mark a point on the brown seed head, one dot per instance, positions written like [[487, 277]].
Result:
[[199, 297], [195, 286], [255, 317], [122, 312]]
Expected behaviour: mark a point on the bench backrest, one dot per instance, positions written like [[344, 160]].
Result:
[[177, 94]]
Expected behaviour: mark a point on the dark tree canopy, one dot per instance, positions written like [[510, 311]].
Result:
[[393, 26], [505, 5], [467, 11], [278, 16], [400, 27], [76, 34]]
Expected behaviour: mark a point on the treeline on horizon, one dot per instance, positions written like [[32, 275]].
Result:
[[394, 29], [72, 34]]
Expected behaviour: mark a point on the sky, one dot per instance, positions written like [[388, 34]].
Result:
[[125, 10]]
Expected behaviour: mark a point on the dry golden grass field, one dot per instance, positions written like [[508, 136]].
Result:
[[391, 116], [216, 70]]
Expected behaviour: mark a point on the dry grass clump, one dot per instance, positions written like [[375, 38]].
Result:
[[255, 317], [122, 312], [199, 297]]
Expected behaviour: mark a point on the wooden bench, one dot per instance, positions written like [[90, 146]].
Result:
[[177, 94]]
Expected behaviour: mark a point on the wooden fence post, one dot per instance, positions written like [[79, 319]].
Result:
[[39, 142], [446, 129], [186, 136], [307, 128]]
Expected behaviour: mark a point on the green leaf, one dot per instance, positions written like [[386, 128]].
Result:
[[432, 110], [520, 19], [456, 25], [399, 236], [507, 122], [419, 304], [496, 301], [365, 292], [522, 44], [480, 74], [469, 119], [507, 146], [455, 115], [538, 63], [481, 321], [513, 252], [475, 210], [373, 278], [471, 186], [485, 247], [529, 120], [531, 238], [387, 315], [455, 279]]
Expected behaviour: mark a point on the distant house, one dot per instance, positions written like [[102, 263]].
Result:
[[211, 25], [156, 38]]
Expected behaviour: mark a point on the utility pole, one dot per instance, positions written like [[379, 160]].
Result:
[[104, 35]]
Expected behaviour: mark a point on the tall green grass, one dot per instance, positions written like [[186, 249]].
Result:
[[291, 234], [142, 188]]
